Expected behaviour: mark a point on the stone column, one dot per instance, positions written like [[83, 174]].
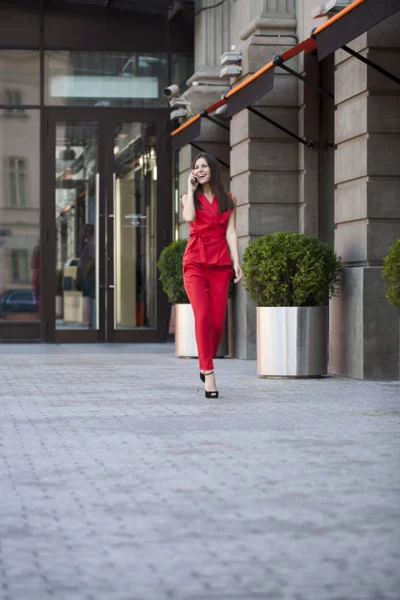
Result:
[[205, 88], [211, 41], [264, 160], [364, 329]]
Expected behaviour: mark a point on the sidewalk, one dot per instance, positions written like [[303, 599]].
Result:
[[120, 481]]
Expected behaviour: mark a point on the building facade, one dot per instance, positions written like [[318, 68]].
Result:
[[84, 140], [85, 173], [343, 186]]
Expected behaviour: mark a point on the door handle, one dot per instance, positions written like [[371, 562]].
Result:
[[97, 250], [111, 216]]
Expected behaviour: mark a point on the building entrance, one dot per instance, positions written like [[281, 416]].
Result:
[[103, 172]]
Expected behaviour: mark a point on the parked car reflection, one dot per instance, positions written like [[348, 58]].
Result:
[[16, 303]]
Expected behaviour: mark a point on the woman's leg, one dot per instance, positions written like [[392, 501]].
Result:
[[220, 278], [197, 288]]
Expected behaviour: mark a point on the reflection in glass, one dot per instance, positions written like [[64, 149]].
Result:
[[86, 78], [19, 217], [135, 225], [77, 195], [19, 80]]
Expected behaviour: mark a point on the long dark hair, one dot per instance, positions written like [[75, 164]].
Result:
[[224, 200]]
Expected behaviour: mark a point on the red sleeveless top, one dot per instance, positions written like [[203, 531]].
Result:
[[207, 243]]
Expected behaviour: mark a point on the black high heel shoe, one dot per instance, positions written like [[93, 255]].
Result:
[[202, 377], [210, 394]]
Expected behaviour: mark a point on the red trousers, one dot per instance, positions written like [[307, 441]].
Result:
[[207, 289]]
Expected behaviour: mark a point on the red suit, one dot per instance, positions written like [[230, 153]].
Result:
[[207, 272]]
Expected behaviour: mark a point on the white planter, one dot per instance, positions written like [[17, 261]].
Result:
[[291, 341], [185, 337]]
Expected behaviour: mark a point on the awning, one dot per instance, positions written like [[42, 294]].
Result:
[[190, 130], [332, 35], [256, 86], [243, 95], [351, 22]]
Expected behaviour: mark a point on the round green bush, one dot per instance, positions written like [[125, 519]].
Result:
[[290, 269], [391, 273], [170, 267]]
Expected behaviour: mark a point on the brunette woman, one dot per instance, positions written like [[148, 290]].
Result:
[[210, 258]]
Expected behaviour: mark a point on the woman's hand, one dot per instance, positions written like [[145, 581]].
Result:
[[192, 182], [238, 272]]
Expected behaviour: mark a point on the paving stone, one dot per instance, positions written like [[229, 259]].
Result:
[[120, 481]]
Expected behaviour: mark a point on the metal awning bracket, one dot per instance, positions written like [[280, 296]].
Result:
[[200, 149], [204, 115], [278, 62], [371, 64], [310, 145]]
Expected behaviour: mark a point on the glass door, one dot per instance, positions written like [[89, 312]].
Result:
[[78, 204], [102, 181], [132, 225]]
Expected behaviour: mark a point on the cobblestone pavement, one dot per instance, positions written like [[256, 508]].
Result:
[[120, 481]]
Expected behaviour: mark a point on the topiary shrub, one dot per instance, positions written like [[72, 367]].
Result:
[[290, 269], [170, 267], [391, 274]]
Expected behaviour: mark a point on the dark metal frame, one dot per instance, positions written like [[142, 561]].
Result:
[[200, 149], [205, 115], [278, 61], [106, 118], [310, 145], [192, 132], [371, 64]]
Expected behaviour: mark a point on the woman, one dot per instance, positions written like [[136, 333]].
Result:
[[211, 252]]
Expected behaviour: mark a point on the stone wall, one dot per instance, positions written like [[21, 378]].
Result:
[[364, 340]]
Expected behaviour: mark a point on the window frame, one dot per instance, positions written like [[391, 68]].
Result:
[[18, 257], [12, 171]]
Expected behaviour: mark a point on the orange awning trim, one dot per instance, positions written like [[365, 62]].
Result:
[[338, 16], [256, 75], [307, 46], [209, 110], [186, 124]]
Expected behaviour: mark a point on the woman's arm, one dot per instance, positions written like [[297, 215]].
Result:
[[189, 209], [232, 239]]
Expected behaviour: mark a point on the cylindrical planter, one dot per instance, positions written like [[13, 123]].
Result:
[[291, 341], [185, 338]]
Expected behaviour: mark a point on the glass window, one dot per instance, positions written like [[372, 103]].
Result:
[[17, 182], [78, 78], [135, 277], [19, 77], [12, 97], [77, 181], [20, 266], [19, 216]]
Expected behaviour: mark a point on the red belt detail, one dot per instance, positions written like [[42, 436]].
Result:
[[206, 237]]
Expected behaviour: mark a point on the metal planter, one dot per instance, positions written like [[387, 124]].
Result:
[[185, 338], [291, 341]]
